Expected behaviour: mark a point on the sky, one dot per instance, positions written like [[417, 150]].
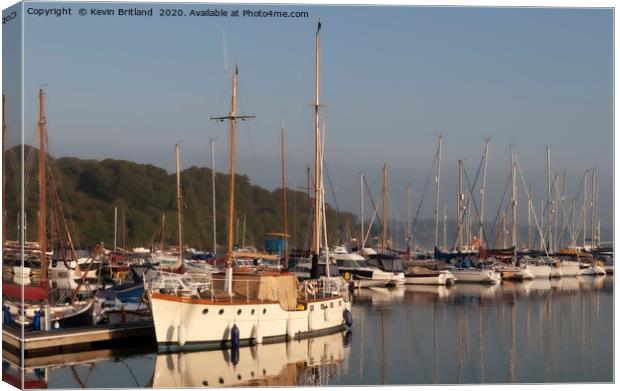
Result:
[[392, 79]]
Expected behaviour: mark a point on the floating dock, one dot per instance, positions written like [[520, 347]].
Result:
[[40, 343]]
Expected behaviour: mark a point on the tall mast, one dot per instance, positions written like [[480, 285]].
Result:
[[212, 145], [549, 212], [529, 218], [483, 190], [284, 206], [115, 226], [42, 186], [384, 211], [445, 225], [408, 239], [177, 154], [232, 118], [562, 209], [362, 241], [163, 232], [4, 120], [459, 207], [437, 183], [513, 202], [592, 206], [316, 227], [585, 207], [556, 203]]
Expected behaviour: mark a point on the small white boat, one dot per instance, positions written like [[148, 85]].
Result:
[[514, 272], [539, 271], [591, 270], [488, 276]]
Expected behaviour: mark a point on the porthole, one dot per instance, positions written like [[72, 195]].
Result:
[[239, 312], [253, 311], [221, 312], [312, 307], [264, 371], [205, 383], [331, 305], [264, 311], [252, 373], [238, 377], [221, 380], [205, 311], [339, 303]]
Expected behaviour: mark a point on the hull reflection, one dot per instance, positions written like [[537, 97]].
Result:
[[305, 362]]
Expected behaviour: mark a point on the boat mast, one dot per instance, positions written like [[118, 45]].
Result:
[[115, 227], [42, 186], [384, 211], [585, 208], [483, 190], [4, 119], [592, 206], [513, 202], [556, 203], [549, 212], [362, 241], [316, 228], [459, 207], [284, 206], [445, 226], [177, 153], [408, 239], [163, 232], [437, 182], [212, 145], [529, 218], [232, 117]]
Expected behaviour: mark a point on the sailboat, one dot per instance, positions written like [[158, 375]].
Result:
[[33, 300], [239, 308]]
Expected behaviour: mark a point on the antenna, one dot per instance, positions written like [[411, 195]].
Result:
[[225, 53]]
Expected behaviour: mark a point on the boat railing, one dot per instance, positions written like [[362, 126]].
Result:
[[324, 288]]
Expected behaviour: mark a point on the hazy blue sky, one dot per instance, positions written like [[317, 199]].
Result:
[[392, 79]]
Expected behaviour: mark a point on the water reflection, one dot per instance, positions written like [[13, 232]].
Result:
[[306, 362], [534, 331]]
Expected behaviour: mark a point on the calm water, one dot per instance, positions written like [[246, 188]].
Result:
[[538, 331]]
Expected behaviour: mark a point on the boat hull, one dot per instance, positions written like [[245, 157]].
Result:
[[189, 324], [441, 278], [539, 271], [485, 276]]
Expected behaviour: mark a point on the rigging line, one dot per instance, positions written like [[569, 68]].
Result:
[[428, 179], [472, 198], [470, 187], [528, 196], [499, 209]]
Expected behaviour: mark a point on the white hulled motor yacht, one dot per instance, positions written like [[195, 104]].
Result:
[[353, 267]]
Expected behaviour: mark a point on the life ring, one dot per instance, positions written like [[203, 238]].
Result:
[[347, 276], [310, 288]]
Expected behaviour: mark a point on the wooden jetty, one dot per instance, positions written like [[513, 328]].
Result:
[[40, 343]]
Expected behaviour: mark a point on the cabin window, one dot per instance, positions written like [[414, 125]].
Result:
[[312, 307], [253, 311], [264, 311], [331, 305], [205, 311], [221, 311], [239, 312], [339, 303]]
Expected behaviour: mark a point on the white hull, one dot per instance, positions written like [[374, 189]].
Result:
[[183, 323], [569, 268], [539, 271], [556, 272], [396, 279], [592, 271], [442, 278], [486, 276]]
